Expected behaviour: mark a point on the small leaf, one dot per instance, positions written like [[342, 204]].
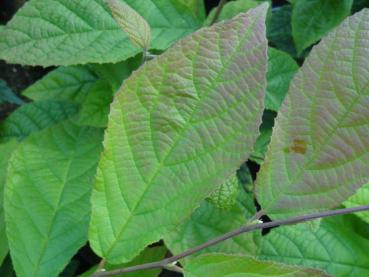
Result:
[[5, 152], [221, 265], [318, 155], [95, 109], [47, 197], [334, 247], [262, 143], [64, 83], [281, 69], [7, 95], [279, 30], [176, 131], [34, 117], [361, 197], [135, 26], [225, 196], [116, 73], [313, 19], [208, 222], [150, 254]]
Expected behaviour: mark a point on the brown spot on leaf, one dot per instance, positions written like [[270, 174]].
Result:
[[299, 146]]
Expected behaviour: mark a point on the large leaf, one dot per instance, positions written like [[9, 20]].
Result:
[[334, 247], [5, 152], [313, 19], [197, 7], [67, 32], [64, 83], [209, 222], [150, 254], [281, 69], [47, 194], [34, 117], [361, 197], [319, 152], [179, 127], [221, 265]]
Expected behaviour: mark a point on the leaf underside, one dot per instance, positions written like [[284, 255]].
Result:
[[319, 152], [179, 127]]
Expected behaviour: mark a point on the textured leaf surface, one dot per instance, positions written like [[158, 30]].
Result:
[[47, 197], [150, 254], [132, 23], [318, 154], [220, 265], [177, 130], [34, 117], [5, 152], [208, 222], [69, 32], [313, 19], [281, 69], [225, 196], [361, 197], [335, 247], [64, 83], [95, 109]]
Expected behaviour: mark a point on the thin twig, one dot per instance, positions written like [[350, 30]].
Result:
[[248, 228], [101, 265], [174, 268], [218, 11]]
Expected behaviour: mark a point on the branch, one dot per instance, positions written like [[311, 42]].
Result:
[[219, 10], [247, 228]]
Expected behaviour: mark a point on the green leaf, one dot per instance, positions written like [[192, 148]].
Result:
[[132, 23], [313, 19], [94, 111], [64, 83], [116, 73], [69, 32], [47, 197], [7, 95], [34, 117], [318, 155], [281, 69], [208, 222], [361, 197], [176, 131], [5, 152], [231, 9], [150, 254], [279, 30], [220, 265], [225, 196], [197, 7], [262, 143], [335, 247]]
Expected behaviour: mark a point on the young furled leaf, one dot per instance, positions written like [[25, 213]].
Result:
[[319, 152], [135, 26], [179, 126]]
